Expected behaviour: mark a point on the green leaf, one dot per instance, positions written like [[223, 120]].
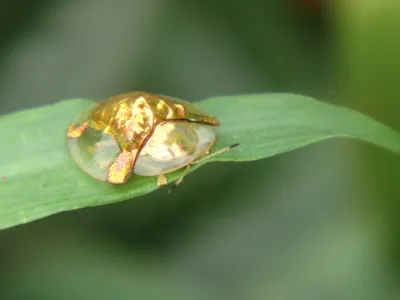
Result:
[[39, 179]]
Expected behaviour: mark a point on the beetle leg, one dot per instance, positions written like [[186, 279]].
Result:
[[180, 179], [208, 156], [161, 180]]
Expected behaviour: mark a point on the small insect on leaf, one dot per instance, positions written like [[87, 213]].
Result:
[[143, 134]]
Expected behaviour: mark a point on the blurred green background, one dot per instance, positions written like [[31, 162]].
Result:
[[321, 222]]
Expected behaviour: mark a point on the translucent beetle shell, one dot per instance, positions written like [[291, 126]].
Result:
[[139, 132]]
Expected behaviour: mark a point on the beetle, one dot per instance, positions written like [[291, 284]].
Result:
[[141, 133]]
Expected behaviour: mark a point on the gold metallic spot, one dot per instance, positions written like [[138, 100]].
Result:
[[75, 131], [180, 110], [121, 169]]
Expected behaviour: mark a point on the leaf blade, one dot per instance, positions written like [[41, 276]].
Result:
[[41, 179]]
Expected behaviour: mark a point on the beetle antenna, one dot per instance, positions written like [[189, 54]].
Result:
[[227, 148]]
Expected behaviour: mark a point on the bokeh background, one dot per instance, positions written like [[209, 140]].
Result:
[[320, 222]]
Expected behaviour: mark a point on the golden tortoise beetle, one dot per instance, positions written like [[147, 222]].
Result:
[[143, 133]]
